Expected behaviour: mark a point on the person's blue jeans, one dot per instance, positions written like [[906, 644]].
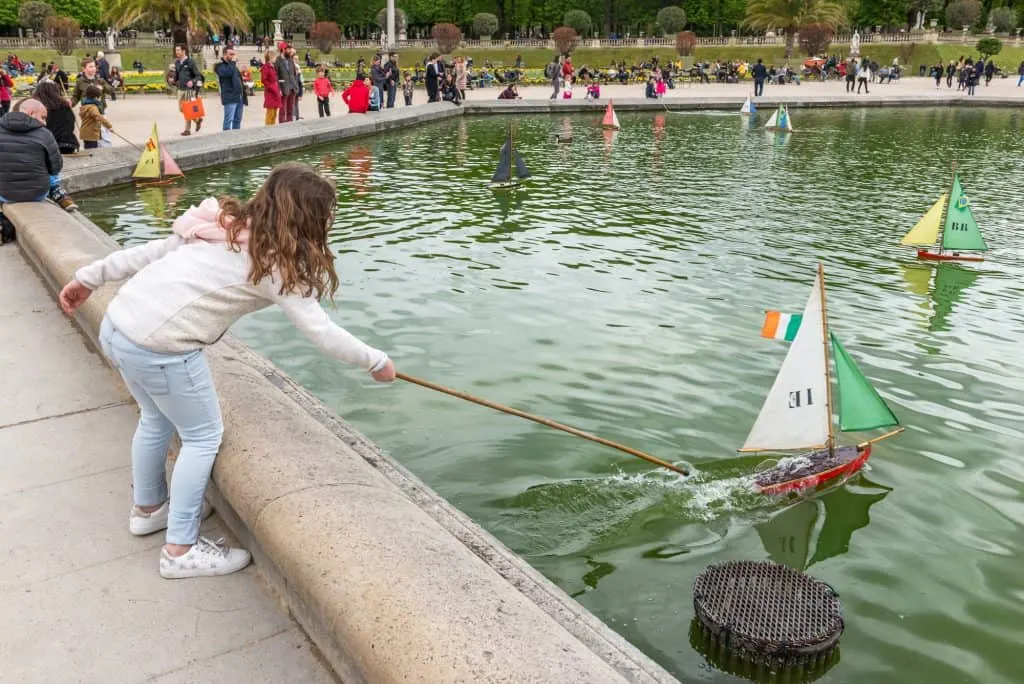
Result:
[[1020, 80], [233, 116], [175, 393]]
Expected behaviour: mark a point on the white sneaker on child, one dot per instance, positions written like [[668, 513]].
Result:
[[206, 558], [141, 524]]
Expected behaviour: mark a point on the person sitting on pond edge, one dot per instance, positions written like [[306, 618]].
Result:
[[30, 161]]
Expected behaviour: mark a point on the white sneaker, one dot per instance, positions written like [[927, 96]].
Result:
[[206, 558], [141, 524]]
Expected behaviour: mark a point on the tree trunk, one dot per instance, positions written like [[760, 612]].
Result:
[[608, 12], [790, 33]]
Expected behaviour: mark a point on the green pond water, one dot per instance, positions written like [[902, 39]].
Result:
[[622, 291]]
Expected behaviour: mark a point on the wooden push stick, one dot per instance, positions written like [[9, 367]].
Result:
[[125, 139], [543, 421]]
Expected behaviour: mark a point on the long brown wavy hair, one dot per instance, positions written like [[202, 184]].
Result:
[[288, 219]]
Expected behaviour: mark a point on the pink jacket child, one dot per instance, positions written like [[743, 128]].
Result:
[[659, 87], [594, 91]]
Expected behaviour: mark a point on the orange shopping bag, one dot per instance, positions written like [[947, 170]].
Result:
[[192, 108]]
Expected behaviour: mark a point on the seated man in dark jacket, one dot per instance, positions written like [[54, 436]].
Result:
[[29, 159]]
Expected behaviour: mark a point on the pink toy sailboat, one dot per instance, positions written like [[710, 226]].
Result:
[[610, 119]]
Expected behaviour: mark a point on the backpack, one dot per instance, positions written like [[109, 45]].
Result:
[[550, 70], [374, 99]]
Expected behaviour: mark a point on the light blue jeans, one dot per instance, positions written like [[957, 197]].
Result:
[[174, 392], [233, 116]]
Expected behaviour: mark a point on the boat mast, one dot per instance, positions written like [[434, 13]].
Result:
[[828, 373], [945, 208]]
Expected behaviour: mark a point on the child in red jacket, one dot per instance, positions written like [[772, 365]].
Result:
[[357, 96], [323, 89]]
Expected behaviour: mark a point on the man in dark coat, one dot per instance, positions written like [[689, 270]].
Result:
[[393, 76], [189, 79], [288, 78], [231, 96], [433, 79], [29, 159], [760, 73]]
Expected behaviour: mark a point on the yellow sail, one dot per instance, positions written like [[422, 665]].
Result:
[[149, 162], [926, 232]]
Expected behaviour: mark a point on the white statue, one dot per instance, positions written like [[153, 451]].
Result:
[[855, 43], [111, 44]]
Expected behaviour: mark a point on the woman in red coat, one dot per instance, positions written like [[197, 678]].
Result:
[[271, 88]]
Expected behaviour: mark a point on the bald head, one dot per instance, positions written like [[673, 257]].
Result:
[[35, 109]]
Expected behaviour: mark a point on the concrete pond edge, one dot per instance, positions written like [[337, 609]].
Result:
[[390, 581]]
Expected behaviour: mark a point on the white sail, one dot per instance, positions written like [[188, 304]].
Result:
[[795, 415], [745, 109], [771, 122]]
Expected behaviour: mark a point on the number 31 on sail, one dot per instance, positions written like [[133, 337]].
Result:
[[797, 414]]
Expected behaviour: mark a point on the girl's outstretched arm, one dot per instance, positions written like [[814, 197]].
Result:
[[330, 338]]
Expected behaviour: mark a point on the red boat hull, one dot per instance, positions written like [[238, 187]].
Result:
[[846, 461], [951, 256]]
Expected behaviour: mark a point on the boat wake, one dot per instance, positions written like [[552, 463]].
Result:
[[566, 517]]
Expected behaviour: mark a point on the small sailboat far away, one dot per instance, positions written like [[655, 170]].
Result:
[[950, 224], [748, 107], [797, 414], [511, 167], [156, 165], [780, 121], [610, 119]]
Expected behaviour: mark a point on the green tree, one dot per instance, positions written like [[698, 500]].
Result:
[[962, 13], [296, 17], [579, 20], [485, 24], [33, 14], [8, 12], [184, 16], [671, 19], [1003, 19], [87, 12], [989, 47], [790, 14], [882, 13]]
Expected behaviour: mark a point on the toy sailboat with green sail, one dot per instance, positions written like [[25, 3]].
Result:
[[780, 121], [797, 414], [950, 224]]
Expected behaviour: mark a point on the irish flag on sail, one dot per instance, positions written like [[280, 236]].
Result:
[[780, 326], [797, 413]]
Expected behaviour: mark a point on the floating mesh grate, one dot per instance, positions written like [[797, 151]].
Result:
[[765, 612]]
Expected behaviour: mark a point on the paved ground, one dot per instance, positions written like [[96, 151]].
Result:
[[82, 599], [134, 116]]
